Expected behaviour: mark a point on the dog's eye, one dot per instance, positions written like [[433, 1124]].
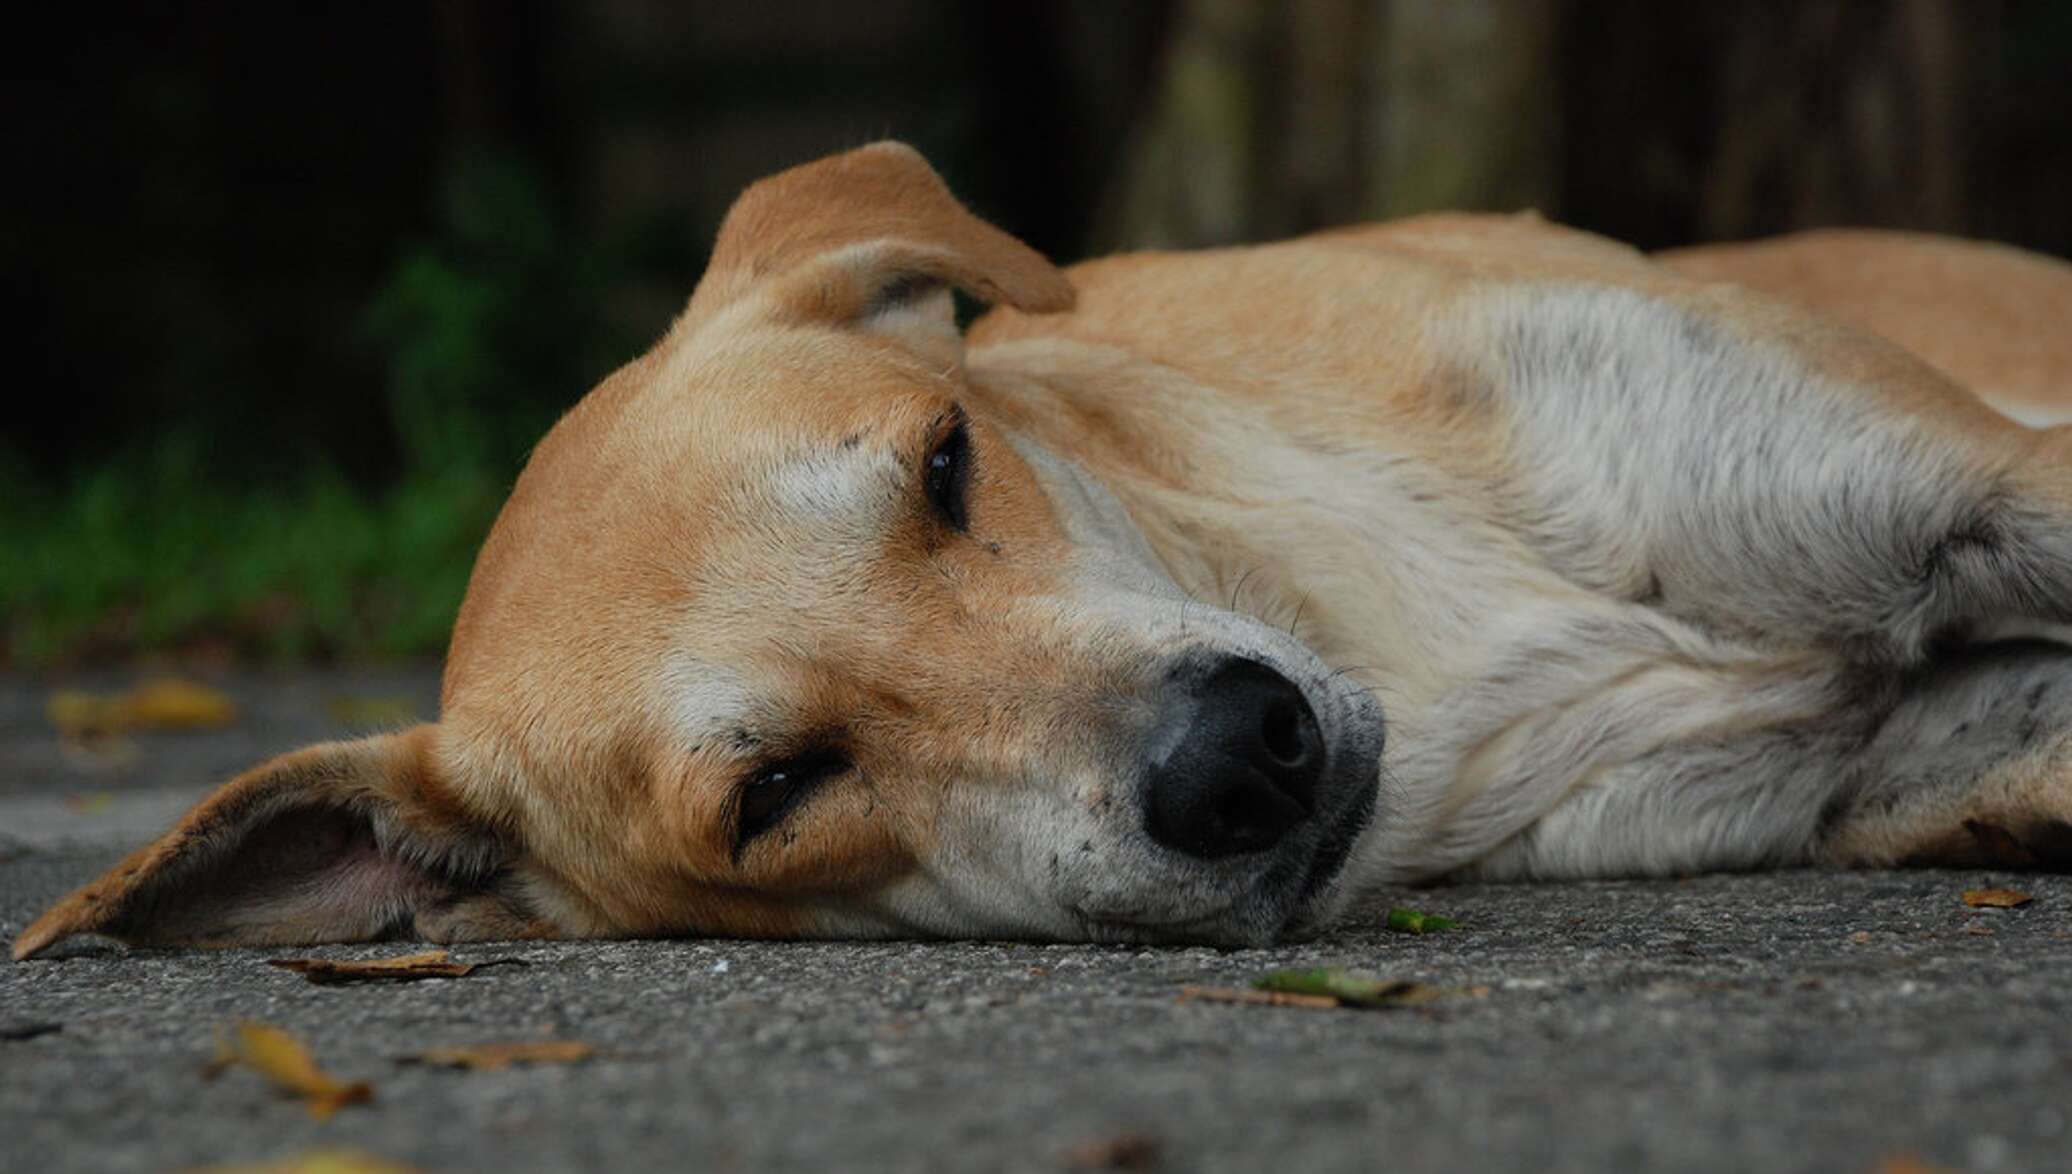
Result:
[[946, 474], [772, 794]]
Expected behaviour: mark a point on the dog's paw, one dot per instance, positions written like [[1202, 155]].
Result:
[[2039, 844]]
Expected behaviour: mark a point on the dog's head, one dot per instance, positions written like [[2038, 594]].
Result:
[[784, 633]]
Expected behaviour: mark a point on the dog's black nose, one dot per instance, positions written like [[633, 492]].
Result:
[[1233, 760]]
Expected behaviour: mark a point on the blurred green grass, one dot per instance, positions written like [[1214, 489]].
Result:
[[482, 332], [160, 556]]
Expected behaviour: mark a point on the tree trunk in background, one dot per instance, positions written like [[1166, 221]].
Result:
[[1728, 122], [1269, 120], [1191, 173], [1469, 107], [1841, 112], [1657, 123]]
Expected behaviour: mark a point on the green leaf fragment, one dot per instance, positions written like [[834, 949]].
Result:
[[1404, 920], [1351, 986]]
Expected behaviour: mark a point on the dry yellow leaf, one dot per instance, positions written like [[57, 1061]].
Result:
[[164, 704], [339, 1161], [408, 968], [1996, 898], [553, 1051], [101, 752], [169, 704], [281, 1058], [75, 713]]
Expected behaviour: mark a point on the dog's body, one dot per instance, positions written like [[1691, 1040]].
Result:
[[817, 620]]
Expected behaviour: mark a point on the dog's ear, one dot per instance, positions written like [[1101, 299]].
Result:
[[871, 240], [344, 841]]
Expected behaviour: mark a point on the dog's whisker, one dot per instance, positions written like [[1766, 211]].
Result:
[[1238, 589]]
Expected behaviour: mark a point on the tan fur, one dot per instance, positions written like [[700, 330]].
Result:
[[719, 558], [1989, 316]]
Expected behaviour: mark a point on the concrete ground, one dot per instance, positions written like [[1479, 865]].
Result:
[[1796, 1021]]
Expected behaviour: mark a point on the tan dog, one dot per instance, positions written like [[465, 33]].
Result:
[[820, 620]]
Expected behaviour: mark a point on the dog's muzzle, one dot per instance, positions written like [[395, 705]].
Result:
[[1232, 761]]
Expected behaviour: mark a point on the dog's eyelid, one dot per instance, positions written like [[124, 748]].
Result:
[[811, 759], [768, 794], [900, 290], [945, 423], [946, 470]]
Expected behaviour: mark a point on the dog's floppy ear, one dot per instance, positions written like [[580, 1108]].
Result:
[[343, 841], [870, 239]]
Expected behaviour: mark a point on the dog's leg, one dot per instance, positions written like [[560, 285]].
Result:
[[1783, 482], [1967, 761], [1789, 487], [1974, 767]]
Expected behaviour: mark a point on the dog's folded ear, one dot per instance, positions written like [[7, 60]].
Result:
[[344, 841], [870, 239]]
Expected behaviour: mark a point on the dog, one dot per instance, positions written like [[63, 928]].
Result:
[[1189, 596]]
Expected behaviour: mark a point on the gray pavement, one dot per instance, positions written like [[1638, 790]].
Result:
[[1795, 1021]]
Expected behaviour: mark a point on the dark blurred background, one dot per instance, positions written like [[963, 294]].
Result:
[[296, 288]]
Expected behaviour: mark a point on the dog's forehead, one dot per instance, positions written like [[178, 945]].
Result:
[[687, 499], [788, 458], [729, 409]]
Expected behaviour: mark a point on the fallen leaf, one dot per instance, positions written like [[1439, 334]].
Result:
[[364, 712], [554, 1051], [281, 1058], [1123, 1151], [339, 1161], [1224, 994], [90, 803], [109, 752], [1996, 898], [408, 968], [75, 713], [1861, 937], [170, 704], [1353, 987], [16, 1030], [165, 704], [1411, 921]]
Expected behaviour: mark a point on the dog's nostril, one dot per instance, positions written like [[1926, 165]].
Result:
[[1247, 819], [1282, 733]]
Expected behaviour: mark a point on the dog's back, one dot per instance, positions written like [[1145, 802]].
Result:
[[1992, 317]]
